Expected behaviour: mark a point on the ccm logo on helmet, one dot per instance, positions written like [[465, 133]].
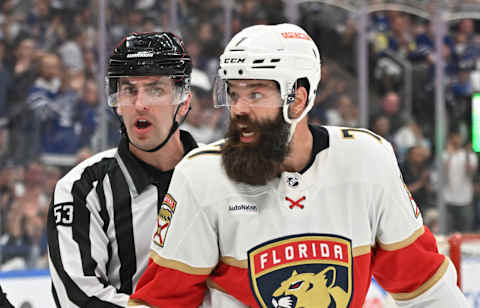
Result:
[[296, 35], [234, 60]]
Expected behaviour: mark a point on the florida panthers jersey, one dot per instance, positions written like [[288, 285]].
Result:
[[307, 239]]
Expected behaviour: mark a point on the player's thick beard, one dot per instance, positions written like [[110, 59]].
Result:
[[259, 162]]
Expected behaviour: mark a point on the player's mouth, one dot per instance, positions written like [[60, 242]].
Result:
[[247, 133]]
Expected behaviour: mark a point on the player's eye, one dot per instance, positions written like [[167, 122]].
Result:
[[295, 285], [255, 96]]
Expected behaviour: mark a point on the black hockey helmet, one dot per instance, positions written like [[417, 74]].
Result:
[[150, 54]]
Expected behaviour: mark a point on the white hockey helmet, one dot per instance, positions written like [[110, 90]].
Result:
[[283, 53]]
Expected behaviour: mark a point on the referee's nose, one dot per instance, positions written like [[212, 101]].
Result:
[[140, 101]]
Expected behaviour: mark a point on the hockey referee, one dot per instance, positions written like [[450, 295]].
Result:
[[103, 213]]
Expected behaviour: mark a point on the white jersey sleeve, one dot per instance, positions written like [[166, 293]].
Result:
[[187, 236], [185, 247], [406, 261], [444, 294]]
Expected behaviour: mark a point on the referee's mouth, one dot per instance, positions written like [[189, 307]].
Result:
[[142, 126]]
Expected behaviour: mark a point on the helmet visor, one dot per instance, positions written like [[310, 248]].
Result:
[[129, 91], [253, 92]]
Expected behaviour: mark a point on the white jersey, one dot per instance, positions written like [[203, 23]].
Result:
[[327, 229], [459, 185]]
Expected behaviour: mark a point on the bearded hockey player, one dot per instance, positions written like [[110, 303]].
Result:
[[283, 214]]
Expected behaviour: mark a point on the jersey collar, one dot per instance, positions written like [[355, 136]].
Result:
[[143, 174], [320, 143]]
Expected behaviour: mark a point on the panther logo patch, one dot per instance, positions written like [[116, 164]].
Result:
[[165, 216], [306, 270]]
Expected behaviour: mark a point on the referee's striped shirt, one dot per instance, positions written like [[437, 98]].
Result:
[[100, 226]]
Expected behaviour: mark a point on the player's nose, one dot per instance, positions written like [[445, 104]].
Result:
[[240, 107]]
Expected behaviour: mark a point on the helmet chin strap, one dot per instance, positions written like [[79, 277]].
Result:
[[173, 128], [293, 122]]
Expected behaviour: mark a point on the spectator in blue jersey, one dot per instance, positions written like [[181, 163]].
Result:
[[58, 117], [425, 51], [60, 130], [396, 43], [45, 89], [23, 70], [87, 113]]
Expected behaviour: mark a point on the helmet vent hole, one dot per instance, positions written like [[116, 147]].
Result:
[[275, 60], [240, 72], [224, 72], [258, 61]]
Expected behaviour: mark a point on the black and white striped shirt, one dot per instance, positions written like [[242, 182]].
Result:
[[100, 226]]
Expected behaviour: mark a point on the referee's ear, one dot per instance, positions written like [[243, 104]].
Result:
[[185, 105]]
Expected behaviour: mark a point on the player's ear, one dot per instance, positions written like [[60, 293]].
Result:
[[299, 104]]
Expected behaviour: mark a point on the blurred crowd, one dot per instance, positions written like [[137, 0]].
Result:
[[51, 105], [401, 50]]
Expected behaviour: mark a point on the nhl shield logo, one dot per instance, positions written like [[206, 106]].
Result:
[[293, 181], [305, 270], [164, 218]]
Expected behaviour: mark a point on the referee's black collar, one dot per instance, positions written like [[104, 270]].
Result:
[[136, 168]]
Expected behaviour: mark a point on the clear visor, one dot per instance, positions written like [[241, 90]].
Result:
[[253, 92], [155, 92]]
